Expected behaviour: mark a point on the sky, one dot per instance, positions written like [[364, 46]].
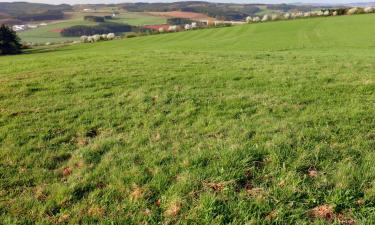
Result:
[[232, 1]]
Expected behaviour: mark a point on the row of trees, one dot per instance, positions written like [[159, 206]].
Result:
[[97, 19], [103, 28], [179, 21]]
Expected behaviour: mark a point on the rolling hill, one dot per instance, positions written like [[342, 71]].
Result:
[[257, 124], [51, 32]]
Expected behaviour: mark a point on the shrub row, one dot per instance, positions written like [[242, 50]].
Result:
[[97, 19], [103, 28]]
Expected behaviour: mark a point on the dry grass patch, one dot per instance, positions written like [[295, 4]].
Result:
[[137, 193], [40, 193], [312, 172], [173, 209], [360, 202], [67, 171], [80, 164], [217, 186], [323, 212], [147, 212], [96, 211], [81, 141], [255, 192], [346, 220], [156, 137], [63, 219], [326, 212], [271, 216]]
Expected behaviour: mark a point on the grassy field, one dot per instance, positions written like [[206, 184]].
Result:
[[132, 18], [257, 124], [49, 33], [139, 19]]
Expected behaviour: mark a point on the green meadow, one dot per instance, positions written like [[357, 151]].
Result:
[[51, 32], [269, 123], [138, 19]]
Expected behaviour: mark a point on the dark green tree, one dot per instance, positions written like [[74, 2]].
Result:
[[9, 41]]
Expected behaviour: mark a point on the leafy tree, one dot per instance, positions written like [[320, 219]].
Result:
[[9, 41]]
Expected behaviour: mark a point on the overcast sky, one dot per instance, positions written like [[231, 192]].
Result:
[[236, 1]]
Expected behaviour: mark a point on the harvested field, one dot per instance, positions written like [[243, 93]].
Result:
[[179, 14], [157, 27], [56, 30]]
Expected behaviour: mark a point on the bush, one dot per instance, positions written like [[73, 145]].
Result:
[[97, 19], [223, 25], [131, 36], [117, 27], [339, 11], [9, 41]]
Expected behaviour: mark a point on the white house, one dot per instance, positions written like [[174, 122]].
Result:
[[32, 26], [18, 27]]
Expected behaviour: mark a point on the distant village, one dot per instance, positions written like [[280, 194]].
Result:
[[23, 27]]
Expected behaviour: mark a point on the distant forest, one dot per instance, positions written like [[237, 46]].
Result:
[[216, 10], [22, 11], [223, 11]]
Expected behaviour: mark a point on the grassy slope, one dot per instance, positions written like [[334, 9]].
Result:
[[217, 126]]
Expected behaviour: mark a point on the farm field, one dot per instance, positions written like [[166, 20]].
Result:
[[139, 19], [50, 33], [252, 124], [179, 14]]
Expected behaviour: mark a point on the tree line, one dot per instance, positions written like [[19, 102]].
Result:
[[102, 28]]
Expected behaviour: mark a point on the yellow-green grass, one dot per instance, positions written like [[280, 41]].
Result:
[[254, 124]]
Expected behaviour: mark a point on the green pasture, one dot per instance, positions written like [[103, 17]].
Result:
[[253, 124], [49, 33]]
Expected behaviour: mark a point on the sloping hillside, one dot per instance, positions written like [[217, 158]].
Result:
[[221, 11], [260, 123], [25, 11]]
